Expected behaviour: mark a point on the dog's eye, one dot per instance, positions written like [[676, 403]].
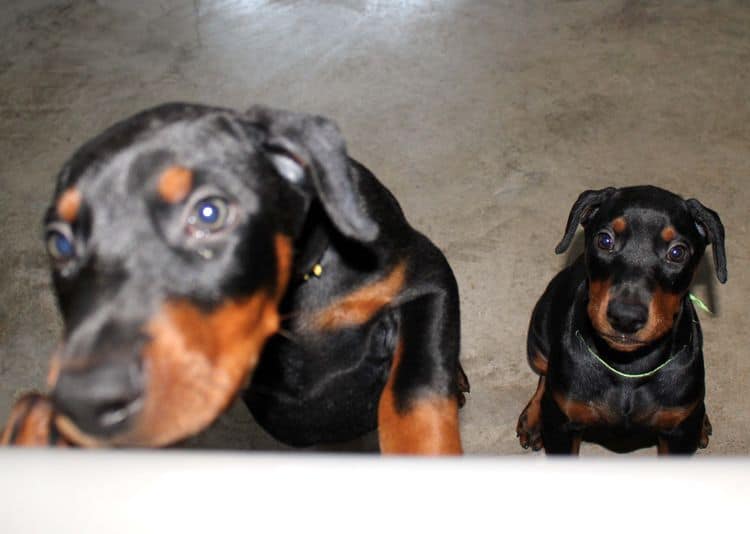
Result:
[[60, 246], [605, 241], [208, 216], [677, 253]]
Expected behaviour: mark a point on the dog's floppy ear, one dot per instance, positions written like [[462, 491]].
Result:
[[309, 151], [581, 212], [709, 225]]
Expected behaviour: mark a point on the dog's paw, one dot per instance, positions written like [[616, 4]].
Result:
[[529, 427], [706, 431], [31, 424], [462, 382]]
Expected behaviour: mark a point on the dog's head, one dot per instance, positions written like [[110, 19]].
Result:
[[642, 247], [171, 240]]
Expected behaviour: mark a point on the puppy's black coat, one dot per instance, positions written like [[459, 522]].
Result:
[[615, 338]]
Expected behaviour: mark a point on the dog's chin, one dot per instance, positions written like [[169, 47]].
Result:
[[622, 342], [126, 437], [70, 431]]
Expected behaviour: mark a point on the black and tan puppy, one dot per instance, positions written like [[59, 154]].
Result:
[[198, 250], [615, 338]]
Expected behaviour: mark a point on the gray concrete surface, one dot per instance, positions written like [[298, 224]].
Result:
[[486, 119]]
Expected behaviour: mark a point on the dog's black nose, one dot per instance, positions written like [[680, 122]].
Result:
[[100, 400], [626, 317]]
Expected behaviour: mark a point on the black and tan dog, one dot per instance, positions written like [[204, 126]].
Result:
[[196, 250], [614, 338]]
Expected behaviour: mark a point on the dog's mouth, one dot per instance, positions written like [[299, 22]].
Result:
[[622, 342]]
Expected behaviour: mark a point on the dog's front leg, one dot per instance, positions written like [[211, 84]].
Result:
[[418, 409]]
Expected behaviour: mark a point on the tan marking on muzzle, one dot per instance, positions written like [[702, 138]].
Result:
[[196, 361], [598, 302], [662, 310]]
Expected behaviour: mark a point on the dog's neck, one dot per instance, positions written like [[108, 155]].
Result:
[[318, 235], [310, 246], [650, 357]]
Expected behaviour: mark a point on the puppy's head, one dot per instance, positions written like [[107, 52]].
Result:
[[171, 240], [642, 247]]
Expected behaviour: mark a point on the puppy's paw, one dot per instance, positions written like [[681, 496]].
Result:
[[529, 427], [706, 431], [31, 424], [462, 381]]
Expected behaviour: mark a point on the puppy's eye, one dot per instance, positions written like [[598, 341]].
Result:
[[605, 241], [208, 216], [677, 253], [60, 246]]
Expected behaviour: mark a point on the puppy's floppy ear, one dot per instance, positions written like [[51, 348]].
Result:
[[581, 212], [709, 225], [309, 151]]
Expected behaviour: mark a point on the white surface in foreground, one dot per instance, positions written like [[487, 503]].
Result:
[[56, 491]]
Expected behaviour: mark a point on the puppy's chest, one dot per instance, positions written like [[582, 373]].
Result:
[[626, 406]]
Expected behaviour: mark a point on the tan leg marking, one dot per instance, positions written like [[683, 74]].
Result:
[[586, 413], [538, 363], [428, 426], [666, 419], [529, 427]]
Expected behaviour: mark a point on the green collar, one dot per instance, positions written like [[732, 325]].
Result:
[[693, 298], [698, 302], [620, 373]]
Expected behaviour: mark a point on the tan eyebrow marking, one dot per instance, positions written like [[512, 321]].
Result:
[[669, 233], [69, 204], [175, 184]]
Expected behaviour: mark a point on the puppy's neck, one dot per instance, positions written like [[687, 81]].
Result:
[[650, 357]]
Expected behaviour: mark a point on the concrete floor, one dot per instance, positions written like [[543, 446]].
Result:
[[485, 118]]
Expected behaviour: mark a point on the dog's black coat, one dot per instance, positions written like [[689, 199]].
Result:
[[578, 396], [280, 173]]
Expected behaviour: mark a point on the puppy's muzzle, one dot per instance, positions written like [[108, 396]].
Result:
[[101, 400], [627, 317]]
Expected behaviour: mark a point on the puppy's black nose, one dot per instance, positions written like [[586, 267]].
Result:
[[100, 400], [626, 317]]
